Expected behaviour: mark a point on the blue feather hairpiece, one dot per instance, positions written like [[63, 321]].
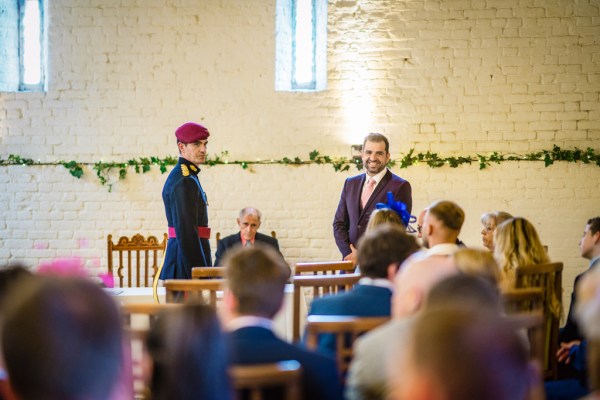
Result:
[[400, 209]]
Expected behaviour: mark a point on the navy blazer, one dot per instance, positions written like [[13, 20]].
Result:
[[350, 221], [361, 301], [257, 345], [571, 329], [186, 209], [234, 240]]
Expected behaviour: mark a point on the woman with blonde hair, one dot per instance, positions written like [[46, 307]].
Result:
[[384, 216], [517, 244]]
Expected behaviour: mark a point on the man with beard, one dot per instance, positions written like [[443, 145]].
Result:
[[362, 192]]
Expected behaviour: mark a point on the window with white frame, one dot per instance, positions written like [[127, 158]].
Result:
[[23, 44], [301, 45]]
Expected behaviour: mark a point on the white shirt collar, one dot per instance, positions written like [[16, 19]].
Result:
[[377, 177], [443, 249], [246, 321], [594, 260], [379, 282]]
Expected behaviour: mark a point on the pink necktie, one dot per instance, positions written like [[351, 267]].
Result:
[[367, 192]]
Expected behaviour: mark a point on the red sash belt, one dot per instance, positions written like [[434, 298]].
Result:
[[203, 232]]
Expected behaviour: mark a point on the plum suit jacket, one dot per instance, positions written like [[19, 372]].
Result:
[[350, 221]]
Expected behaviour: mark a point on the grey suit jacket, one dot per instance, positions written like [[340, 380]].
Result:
[[373, 358]]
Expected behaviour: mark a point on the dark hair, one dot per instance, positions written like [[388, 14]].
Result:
[[594, 224], [377, 137], [382, 247], [10, 276], [256, 277], [450, 213], [62, 339], [189, 355]]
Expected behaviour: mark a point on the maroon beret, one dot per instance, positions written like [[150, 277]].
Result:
[[191, 132]]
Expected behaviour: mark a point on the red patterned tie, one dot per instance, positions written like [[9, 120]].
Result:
[[367, 192]]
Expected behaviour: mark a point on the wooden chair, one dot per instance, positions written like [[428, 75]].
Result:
[[320, 285], [533, 324], [208, 272], [345, 328], [548, 277], [137, 318], [522, 300], [324, 268], [138, 255], [180, 290], [254, 379]]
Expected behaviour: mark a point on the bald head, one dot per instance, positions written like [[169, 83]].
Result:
[[415, 279]]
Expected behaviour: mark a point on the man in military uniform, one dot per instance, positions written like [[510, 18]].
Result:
[[186, 206]]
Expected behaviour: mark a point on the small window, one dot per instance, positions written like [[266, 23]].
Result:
[[301, 45], [22, 54]]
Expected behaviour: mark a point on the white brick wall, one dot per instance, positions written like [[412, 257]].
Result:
[[455, 77]]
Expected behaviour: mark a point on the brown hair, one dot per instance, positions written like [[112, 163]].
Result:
[[470, 354], [256, 277], [377, 137], [382, 247], [451, 215]]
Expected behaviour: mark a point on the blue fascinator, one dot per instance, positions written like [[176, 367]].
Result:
[[400, 209]]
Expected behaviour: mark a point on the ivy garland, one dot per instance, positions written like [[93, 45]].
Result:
[[433, 160]]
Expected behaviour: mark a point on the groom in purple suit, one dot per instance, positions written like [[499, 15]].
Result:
[[362, 192]]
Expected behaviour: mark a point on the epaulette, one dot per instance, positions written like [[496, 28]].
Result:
[[184, 170]]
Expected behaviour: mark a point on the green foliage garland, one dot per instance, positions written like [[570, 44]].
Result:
[[433, 160]]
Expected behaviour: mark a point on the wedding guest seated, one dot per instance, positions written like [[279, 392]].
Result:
[[461, 353], [383, 216], [490, 220], [249, 221], [189, 357], [256, 279], [367, 378], [441, 226], [380, 254], [517, 244], [572, 368], [588, 316], [61, 339]]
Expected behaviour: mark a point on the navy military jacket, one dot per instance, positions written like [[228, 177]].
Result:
[[186, 210]]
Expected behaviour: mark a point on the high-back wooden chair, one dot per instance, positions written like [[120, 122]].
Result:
[[205, 290], [255, 379], [522, 300], [345, 328], [548, 277], [139, 256], [324, 268], [208, 272], [320, 285], [137, 318]]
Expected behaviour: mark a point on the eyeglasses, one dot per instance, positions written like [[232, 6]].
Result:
[[419, 228]]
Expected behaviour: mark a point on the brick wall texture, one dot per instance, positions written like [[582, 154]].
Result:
[[454, 76]]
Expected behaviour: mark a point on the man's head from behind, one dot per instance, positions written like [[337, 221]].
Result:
[[381, 251], [249, 222], [442, 223], [256, 279], [62, 339], [462, 355]]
